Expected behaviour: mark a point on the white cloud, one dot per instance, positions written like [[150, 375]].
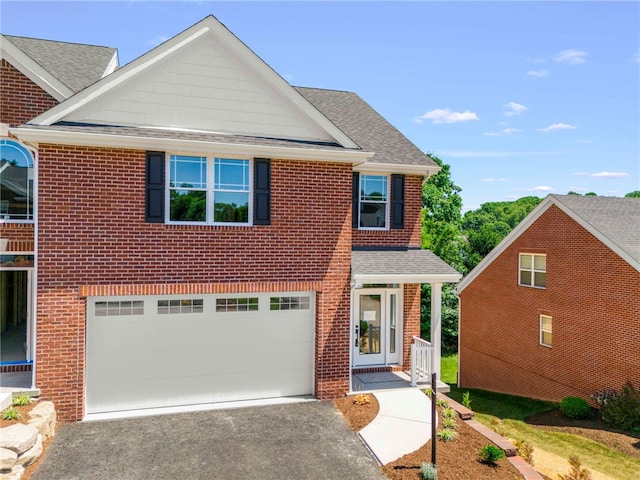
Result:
[[494, 180], [580, 174], [571, 57], [585, 140], [538, 73], [609, 175], [636, 57], [157, 40], [512, 109], [504, 131], [445, 115], [288, 77], [554, 127], [539, 188]]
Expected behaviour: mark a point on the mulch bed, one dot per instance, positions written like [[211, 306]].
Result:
[[455, 460]]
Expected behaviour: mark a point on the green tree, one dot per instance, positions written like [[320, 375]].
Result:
[[634, 194]]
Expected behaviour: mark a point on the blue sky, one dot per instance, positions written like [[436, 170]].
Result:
[[520, 98]]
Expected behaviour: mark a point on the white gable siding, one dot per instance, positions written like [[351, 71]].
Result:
[[202, 87]]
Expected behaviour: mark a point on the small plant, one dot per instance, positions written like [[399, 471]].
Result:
[[428, 471], [490, 454], [466, 399], [525, 450], [361, 399], [448, 412], [450, 423], [576, 472], [620, 409], [497, 426], [575, 407], [442, 403], [21, 400], [10, 414], [428, 392], [447, 435]]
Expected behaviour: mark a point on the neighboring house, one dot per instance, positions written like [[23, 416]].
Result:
[[197, 230], [554, 309]]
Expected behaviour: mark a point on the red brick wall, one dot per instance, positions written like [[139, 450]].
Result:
[[593, 297], [20, 99], [92, 237], [411, 234]]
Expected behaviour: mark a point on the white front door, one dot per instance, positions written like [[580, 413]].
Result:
[[377, 327]]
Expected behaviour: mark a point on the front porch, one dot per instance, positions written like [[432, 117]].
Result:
[[363, 382]]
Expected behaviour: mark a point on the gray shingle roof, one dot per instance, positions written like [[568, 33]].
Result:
[[75, 65], [399, 263], [618, 219], [366, 127]]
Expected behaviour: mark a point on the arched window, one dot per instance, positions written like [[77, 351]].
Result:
[[16, 181]]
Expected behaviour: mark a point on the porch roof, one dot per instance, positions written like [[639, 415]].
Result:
[[400, 266]]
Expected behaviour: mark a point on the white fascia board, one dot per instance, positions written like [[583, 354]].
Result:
[[35, 136], [113, 64], [506, 241], [361, 278], [386, 168], [34, 71]]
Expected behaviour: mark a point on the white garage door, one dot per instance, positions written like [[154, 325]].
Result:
[[146, 352]]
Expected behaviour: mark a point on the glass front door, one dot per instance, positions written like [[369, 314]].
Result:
[[376, 327]]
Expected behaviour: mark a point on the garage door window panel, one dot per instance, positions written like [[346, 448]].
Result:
[[237, 304], [123, 308]]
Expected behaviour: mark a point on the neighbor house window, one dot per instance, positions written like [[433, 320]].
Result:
[[208, 189], [533, 270], [16, 182], [545, 331], [373, 212]]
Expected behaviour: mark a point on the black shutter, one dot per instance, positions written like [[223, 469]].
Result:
[[397, 201], [154, 198], [262, 191], [355, 200]]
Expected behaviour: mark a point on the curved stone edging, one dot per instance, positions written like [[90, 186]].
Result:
[[21, 444]]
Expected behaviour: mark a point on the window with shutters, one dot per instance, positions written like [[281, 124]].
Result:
[[373, 209], [209, 190]]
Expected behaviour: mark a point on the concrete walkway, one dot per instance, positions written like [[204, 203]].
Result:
[[402, 426]]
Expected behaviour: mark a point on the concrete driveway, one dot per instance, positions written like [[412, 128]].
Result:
[[307, 440]]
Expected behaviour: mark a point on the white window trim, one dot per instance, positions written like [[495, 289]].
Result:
[[387, 212], [546, 331], [209, 190], [532, 270], [34, 169]]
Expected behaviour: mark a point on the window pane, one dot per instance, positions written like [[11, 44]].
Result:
[[373, 188], [540, 262], [525, 277], [540, 279], [231, 207], [231, 174], [546, 338], [525, 261], [188, 206], [546, 323], [188, 172], [16, 181], [373, 215]]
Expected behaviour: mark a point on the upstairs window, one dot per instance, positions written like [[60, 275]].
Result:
[[533, 270], [546, 324], [209, 190], [374, 194], [16, 182]]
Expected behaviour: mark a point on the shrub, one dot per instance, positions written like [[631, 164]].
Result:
[[361, 399], [466, 399], [428, 471], [497, 426], [525, 450], [447, 434], [21, 400], [620, 409], [575, 407], [449, 423], [576, 472], [490, 454], [442, 403], [448, 412], [10, 414]]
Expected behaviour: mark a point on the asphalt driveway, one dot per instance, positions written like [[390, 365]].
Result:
[[295, 441]]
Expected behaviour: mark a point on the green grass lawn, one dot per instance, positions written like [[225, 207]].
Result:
[[512, 411]]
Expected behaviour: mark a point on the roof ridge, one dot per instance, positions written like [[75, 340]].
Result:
[[325, 89]]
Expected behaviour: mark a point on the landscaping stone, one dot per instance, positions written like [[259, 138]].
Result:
[[43, 418], [7, 459], [18, 437], [15, 473], [31, 455]]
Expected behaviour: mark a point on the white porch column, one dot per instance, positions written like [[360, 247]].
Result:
[[436, 326]]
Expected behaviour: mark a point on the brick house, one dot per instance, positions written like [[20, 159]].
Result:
[[201, 231], [554, 309]]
